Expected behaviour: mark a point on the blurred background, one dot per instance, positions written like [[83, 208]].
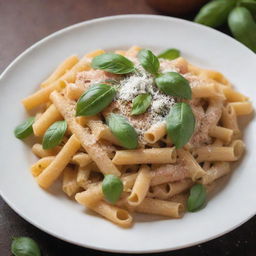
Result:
[[24, 22]]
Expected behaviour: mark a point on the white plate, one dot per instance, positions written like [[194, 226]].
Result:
[[65, 219]]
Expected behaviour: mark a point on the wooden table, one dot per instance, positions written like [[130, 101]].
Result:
[[24, 22]]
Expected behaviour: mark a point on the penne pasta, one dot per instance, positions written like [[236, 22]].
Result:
[[232, 95], [229, 120], [115, 214], [69, 183], [141, 186], [50, 116], [155, 133], [53, 171], [83, 174], [221, 133], [195, 170], [218, 153], [160, 207], [218, 170], [242, 108], [38, 150], [209, 90], [73, 91], [144, 156], [60, 70], [41, 164], [169, 173], [168, 190], [81, 159], [217, 76], [100, 130]]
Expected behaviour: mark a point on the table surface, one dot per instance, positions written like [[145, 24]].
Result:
[[24, 22]]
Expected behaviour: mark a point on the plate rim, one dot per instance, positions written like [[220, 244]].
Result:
[[98, 20]]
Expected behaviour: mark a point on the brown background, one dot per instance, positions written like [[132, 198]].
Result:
[[24, 22]]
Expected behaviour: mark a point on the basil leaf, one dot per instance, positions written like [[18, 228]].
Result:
[[123, 131], [169, 54], [180, 124], [54, 134], [25, 129], [243, 27], [25, 246], [149, 61], [215, 13], [197, 198], [113, 63], [112, 188], [111, 81], [174, 84], [140, 103], [95, 99]]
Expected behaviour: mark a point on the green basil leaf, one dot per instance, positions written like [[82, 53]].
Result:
[[169, 54], [25, 246], [149, 61], [113, 63], [215, 13], [140, 103], [112, 188], [123, 131], [243, 27], [95, 99], [25, 129], [54, 134], [197, 198], [250, 5], [174, 84], [111, 81], [180, 124]]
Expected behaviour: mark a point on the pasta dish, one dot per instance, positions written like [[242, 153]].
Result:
[[129, 131]]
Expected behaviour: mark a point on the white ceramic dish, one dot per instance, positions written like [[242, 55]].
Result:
[[58, 216]]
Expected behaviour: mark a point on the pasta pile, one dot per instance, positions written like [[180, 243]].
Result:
[[156, 176]]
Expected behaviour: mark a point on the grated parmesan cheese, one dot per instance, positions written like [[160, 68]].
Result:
[[135, 84], [141, 82]]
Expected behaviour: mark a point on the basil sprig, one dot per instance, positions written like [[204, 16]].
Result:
[[25, 129], [243, 26], [238, 13], [113, 63], [112, 188], [149, 61], [141, 103], [54, 134], [197, 198], [95, 99], [169, 54], [24, 246], [180, 124], [215, 13], [174, 84], [123, 131]]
